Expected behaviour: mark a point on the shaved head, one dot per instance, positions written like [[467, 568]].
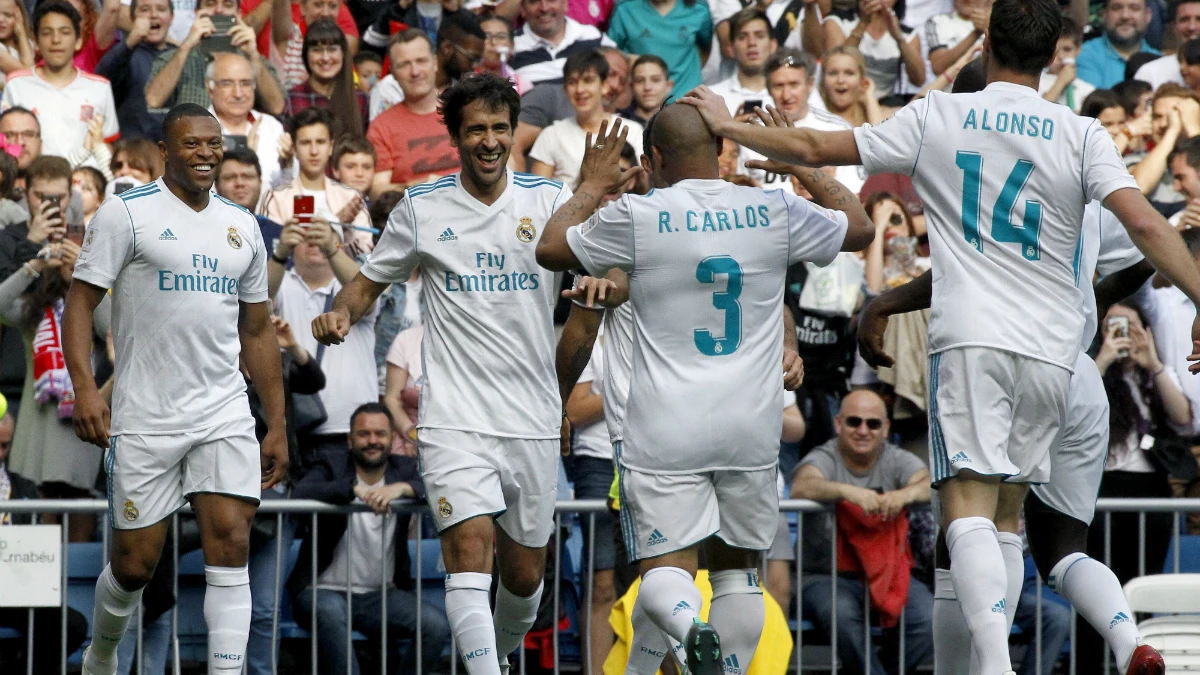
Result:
[[681, 145]]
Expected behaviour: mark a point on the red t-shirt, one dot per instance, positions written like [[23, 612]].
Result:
[[411, 146], [88, 57], [345, 21]]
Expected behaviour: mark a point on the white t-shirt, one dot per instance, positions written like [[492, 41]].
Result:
[[735, 94], [561, 145], [885, 62], [1104, 248], [592, 440], [181, 24], [707, 309], [489, 323], [853, 177], [385, 94], [618, 365], [1072, 96], [1160, 71], [405, 353], [63, 113], [1004, 175], [177, 278], [348, 367], [945, 31], [356, 558]]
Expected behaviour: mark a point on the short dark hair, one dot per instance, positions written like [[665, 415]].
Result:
[[1071, 29], [745, 16], [629, 154], [372, 408], [47, 167], [652, 58], [184, 111], [1130, 92], [352, 145], [1189, 52], [1135, 62], [785, 57], [8, 175], [1190, 150], [382, 207], [93, 174], [133, 4], [365, 55], [241, 156], [1173, 8], [495, 92], [1024, 34], [971, 78], [508, 25], [56, 7], [459, 23], [1098, 101], [581, 62], [19, 110], [308, 117]]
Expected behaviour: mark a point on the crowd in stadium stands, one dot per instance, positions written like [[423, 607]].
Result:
[[331, 106]]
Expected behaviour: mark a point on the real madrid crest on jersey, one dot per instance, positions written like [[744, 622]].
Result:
[[234, 239], [131, 512], [525, 230], [444, 508]]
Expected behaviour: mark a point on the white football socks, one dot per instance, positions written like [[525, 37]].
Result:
[[1096, 594], [670, 598], [980, 582], [951, 638], [648, 647], [737, 613], [1013, 550], [470, 618], [513, 618], [110, 618], [227, 610]]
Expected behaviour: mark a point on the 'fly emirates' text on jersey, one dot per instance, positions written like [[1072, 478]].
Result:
[[706, 262], [489, 340], [1004, 176], [177, 277]]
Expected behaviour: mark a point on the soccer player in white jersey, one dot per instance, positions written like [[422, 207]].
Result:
[[1057, 513], [491, 416], [706, 261], [1004, 176], [188, 276]]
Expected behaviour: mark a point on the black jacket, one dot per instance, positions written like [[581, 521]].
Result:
[[297, 379], [16, 249], [332, 481], [22, 488]]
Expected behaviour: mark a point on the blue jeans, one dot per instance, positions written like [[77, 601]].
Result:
[[593, 480], [1056, 627], [918, 623], [260, 647], [365, 618], [156, 645]]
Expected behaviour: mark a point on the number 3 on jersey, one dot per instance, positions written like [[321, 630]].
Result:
[[1003, 229], [726, 301]]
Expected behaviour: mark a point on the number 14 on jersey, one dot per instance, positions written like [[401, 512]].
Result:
[[1003, 230]]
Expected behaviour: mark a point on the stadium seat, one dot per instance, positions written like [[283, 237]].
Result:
[[1176, 635]]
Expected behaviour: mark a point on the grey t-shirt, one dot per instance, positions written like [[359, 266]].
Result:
[[892, 471], [545, 104]]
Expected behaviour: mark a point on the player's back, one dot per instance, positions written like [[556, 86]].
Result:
[[1004, 175]]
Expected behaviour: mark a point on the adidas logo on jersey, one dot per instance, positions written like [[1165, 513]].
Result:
[[682, 606], [1121, 617], [731, 665], [656, 538], [167, 235], [999, 607], [960, 457], [448, 235]]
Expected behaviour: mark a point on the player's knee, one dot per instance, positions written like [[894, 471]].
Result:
[[522, 582], [133, 570], [228, 545]]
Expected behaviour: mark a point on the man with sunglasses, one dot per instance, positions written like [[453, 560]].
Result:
[[860, 466]]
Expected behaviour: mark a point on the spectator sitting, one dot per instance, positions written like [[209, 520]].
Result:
[[680, 31], [330, 81], [16, 47], [354, 166], [90, 184], [618, 91], [333, 202], [890, 49], [1103, 105], [846, 89], [860, 467], [287, 53], [549, 36], [179, 73], [1166, 68], [750, 30], [352, 551], [136, 161], [98, 31], [129, 63], [497, 48], [411, 143], [952, 35], [239, 179], [1102, 60], [1176, 116], [231, 86], [558, 151], [368, 66], [13, 486], [21, 127], [66, 98], [651, 85], [1059, 83]]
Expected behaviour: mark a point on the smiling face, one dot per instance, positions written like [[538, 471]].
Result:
[[842, 80], [191, 150], [159, 14], [617, 92], [859, 440], [313, 148], [585, 91], [484, 141], [57, 40], [1187, 21], [1125, 21], [546, 18], [650, 86], [1112, 119], [325, 61], [414, 68], [87, 188], [371, 439], [232, 86]]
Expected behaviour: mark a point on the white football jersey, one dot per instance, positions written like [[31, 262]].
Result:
[[618, 364], [707, 309], [489, 329], [1004, 175], [1104, 248], [177, 278]]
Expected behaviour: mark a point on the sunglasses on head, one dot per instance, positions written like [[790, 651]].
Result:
[[873, 423]]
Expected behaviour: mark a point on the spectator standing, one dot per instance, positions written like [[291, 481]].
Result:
[[847, 91], [558, 151], [231, 87], [859, 466], [1102, 60], [1059, 82], [892, 258], [752, 46], [352, 551], [951, 35], [98, 31], [1166, 68], [411, 143], [129, 63], [891, 51], [22, 242], [20, 126], [330, 81], [549, 36], [16, 45], [183, 16], [65, 99], [239, 179], [679, 31], [179, 73], [1175, 115], [651, 86], [288, 35], [497, 50], [1105, 106]]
